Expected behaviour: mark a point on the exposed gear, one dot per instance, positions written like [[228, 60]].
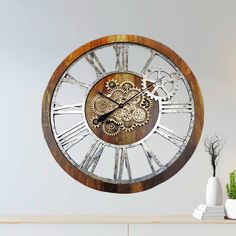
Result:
[[140, 116], [101, 105], [165, 85], [146, 103], [131, 93], [128, 126], [126, 114], [95, 123], [111, 84], [127, 85], [134, 113], [110, 127], [117, 95]]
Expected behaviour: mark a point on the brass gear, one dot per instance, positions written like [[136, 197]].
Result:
[[101, 105], [140, 116], [94, 122], [112, 84], [127, 85], [146, 103], [132, 92], [117, 95], [110, 127], [127, 126]]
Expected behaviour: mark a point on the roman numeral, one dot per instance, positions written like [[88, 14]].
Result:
[[92, 157], [95, 63], [121, 162], [121, 57], [151, 157], [148, 62], [68, 78], [73, 135], [176, 107], [171, 136], [59, 109]]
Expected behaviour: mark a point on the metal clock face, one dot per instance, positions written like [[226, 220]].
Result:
[[122, 114]]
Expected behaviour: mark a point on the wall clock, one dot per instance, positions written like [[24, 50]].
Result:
[[122, 114]]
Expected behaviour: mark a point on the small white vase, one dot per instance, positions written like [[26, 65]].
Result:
[[213, 192], [230, 208]]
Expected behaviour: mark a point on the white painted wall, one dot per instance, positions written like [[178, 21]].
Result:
[[36, 35]]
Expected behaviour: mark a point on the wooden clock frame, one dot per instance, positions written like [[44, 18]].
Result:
[[136, 186]]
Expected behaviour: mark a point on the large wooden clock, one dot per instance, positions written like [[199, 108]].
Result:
[[122, 113]]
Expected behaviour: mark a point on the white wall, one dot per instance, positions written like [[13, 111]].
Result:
[[36, 35]]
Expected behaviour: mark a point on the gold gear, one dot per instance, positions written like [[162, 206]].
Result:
[[127, 85], [101, 105], [132, 92], [140, 116], [146, 103], [94, 122], [110, 127], [128, 126], [112, 84]]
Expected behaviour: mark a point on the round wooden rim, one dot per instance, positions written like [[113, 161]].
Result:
[[137, 186]]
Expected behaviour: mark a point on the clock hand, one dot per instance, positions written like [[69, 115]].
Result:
[[100, 93], [106, 115], [136, 95]]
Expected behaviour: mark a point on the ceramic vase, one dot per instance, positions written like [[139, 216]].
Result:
[[230, 208], [213, 192]]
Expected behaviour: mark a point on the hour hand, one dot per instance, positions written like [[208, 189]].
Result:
[[100, 93]]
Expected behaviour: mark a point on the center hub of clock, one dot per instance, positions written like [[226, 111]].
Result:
[[118, 112]]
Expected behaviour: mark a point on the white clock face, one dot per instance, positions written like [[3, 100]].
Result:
[[122, 113]]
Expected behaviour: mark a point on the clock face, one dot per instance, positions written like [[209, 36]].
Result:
[[122, 114]]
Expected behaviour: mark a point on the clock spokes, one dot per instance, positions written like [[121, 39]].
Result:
[[60, 109], [73, 135], [68, 78]]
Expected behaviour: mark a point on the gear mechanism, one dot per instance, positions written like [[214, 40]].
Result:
[[110, 127], [111, 84], [133, 114], [165, 84]]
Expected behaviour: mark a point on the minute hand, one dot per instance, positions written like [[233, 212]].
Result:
[[136, 95]]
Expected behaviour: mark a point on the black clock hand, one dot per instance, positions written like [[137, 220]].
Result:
[[104, 116], [100, 93]]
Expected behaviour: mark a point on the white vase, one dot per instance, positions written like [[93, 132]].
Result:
[[213, 192], [230, 208]]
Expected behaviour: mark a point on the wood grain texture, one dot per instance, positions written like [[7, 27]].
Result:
[[124, 137], [135, 186]]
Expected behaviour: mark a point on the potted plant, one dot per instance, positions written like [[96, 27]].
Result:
[[214, 145], [230, 204]]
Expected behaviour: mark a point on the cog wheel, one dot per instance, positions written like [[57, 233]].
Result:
[[165, 87], [140, 116], [133, 92], [94, 122], [128, 126], [110, 127], [117, 95], [111, 84], [126, 114], [127, 85], [100, 105], [146, 103], [117, 116]]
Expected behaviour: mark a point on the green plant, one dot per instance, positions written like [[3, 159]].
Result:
[[231, 187]]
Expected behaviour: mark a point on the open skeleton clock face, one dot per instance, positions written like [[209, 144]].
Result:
[[122, 114]]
